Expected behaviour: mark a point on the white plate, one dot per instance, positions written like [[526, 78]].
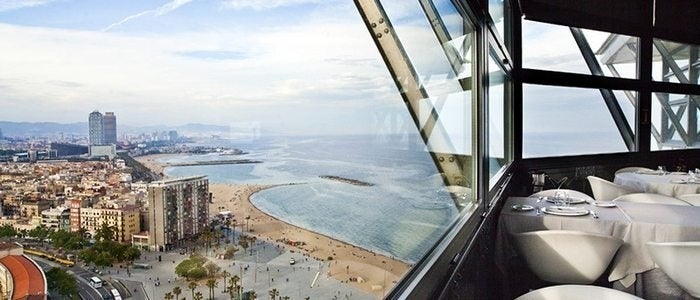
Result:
[[565, 211], [603, 203], [523, 207], [572, 200]]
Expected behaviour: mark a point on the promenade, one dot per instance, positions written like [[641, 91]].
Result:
[[265, 269]]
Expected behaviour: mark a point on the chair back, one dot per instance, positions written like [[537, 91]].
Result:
[[562, 256], [604, 190], [692, 199], [651, 199], [632, 170], [681, 262], [577, 292]]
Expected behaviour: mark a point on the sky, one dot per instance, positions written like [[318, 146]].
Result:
[[292, 66]]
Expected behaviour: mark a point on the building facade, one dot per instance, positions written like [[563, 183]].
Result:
[[56, 218], [110, 128], [178, 210], [124, 220], [96, 128]]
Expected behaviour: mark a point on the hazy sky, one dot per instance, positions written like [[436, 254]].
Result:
[[288, 65]]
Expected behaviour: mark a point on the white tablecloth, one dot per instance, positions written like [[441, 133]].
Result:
[[634, 223], [659, 184]]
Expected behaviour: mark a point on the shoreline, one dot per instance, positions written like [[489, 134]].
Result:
[[372, 272]]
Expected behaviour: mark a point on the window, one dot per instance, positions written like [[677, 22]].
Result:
[[560, 121], [674, 121], [499, 150], [564, 49], [676, 62]]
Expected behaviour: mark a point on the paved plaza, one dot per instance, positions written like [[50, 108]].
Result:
[[264, 267]]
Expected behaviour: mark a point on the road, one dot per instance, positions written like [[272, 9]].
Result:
[[82, 277]]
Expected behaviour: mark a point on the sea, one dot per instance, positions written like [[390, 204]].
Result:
[[402, 214]]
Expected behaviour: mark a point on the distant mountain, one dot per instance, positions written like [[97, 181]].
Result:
[[45, 129], [27, 129]]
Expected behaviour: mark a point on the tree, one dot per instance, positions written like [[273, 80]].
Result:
[[176, 292], [198, 296], [225, 274], [105, 233], [243, 242], [234, 288], [206, 237], [252, 295], [211, 284], [7, 230], [285, 298], [60, 281], [168, 296], [192, 285], [273, 294], [212, 269]]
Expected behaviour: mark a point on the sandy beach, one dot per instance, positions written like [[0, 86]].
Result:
[[376, 273]]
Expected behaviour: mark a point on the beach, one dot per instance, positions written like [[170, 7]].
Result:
[[361, 268]]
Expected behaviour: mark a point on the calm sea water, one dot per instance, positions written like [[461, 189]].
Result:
[[402, 215]]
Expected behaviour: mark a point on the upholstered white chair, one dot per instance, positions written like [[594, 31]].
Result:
[[604, 190], [633, 169], [693, 199], [650, 198], [680, 261], [577, 292], [571, 193], [563, 256]]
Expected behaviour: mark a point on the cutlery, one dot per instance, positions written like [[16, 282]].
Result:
[[594, 214]]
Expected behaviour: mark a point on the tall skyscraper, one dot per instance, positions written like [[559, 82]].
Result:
[[96, 129], [178, 210], [0, 133], [110, 128]]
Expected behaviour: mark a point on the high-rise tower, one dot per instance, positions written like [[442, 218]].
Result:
[[96, 129], [110, 128]]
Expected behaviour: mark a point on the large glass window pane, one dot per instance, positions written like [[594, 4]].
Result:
[[500, 13], [676, 62], [441, 54], [555, 48], [560, 121], [674, 121], [499, 153]]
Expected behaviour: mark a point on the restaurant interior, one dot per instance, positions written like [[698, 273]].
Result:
[[575, 182]]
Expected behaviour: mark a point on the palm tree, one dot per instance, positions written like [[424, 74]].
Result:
[[198, 296], [285, 298], [273, 294], [206, 237], [243, 242], [234, 288], [177, 291], [252, 243], [168, 296], [233, 232], [225, 274], [252, 295], [211, 284], [192, 285]]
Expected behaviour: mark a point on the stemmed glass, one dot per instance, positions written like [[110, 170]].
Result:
[[561, 197]]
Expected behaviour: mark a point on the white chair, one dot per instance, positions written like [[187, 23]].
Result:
[[577, 292], [604, 190], [562, 256], [633, 169], [571, 193], [650, 198], [693, 199], [680, 261]]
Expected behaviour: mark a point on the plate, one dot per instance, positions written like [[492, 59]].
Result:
[[654, 172], [572, 200], [603, 203], [565, 211], [523, 207]]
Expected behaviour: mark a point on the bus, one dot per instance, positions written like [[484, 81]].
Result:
[[96, 282]]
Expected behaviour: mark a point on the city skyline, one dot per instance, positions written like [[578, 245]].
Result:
[[298, 66]]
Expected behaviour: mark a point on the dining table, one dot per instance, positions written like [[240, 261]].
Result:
[[672, 184], [634, 223]]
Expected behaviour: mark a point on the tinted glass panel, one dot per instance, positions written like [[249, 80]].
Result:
[[498, 128], [560, 121], [674, 121], [554, 48], [676, 62]]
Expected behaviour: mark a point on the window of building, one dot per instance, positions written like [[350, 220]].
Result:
[[561, 121], [674, 121], [574, 50]]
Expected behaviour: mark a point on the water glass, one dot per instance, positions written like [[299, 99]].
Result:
[[662, 169], [561, 198]]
